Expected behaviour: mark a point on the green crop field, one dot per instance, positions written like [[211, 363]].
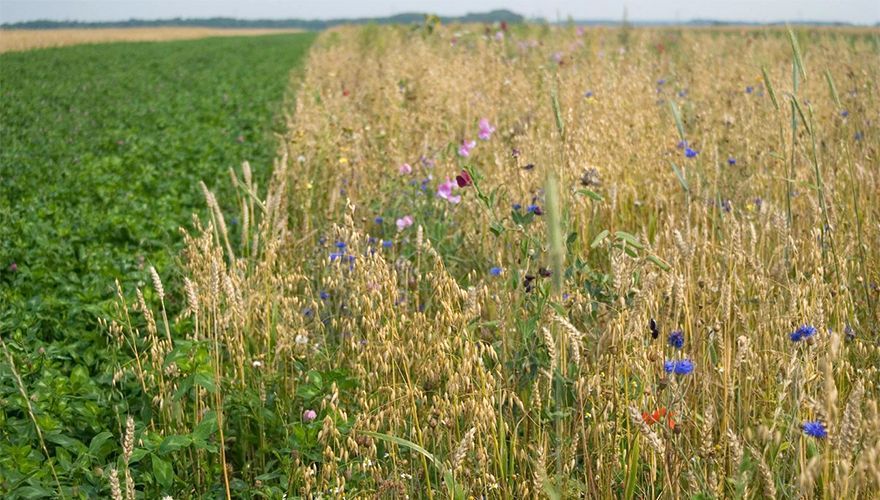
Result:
[[101, 151]]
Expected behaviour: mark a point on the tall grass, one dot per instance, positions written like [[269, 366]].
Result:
[[508, 352]]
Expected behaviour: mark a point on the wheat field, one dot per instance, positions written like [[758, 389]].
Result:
[[535, 262], [26, 39]]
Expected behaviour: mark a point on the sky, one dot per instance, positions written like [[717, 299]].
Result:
[[854, 11]]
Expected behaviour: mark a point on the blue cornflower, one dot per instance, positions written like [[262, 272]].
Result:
[[684, 367], [731, 161], [682, 144], [387, 243], [307, 312], [495, 271], [588, 94], [749, 89], [372, 240], [815, 429], [679, 367], [517, 207], [340, 245], [676, 339], [378, 219], [324, 295], [682, 93], [661, 81], [534, 209], [322, 240], [803, 332], [844, 113], [336, 255], [690, 153], [859, 135]]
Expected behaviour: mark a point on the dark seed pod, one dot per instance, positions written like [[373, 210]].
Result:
[[655, 332]]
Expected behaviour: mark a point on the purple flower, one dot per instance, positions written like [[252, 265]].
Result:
[[731, 161], [485, 130], [517, 207], [682, 144], [324, 295], [803, 332], [749, 89], [445, 191], [336, 255], [588, 94], [495, 271], [309, 415], [404, 222], [466, 146], [690, 153], [815, 429], [405, 169], [379, 220], [844, 113], [534, 209], [387, 243], [676, 339], [661, 82]]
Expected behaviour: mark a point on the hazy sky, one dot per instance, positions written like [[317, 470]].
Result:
[[855, 11]]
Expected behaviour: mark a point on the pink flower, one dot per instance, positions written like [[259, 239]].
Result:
[[405, 169], [466, 147], [445, 191], [499, 36], [309, 415], [485, 130], [404, 222]]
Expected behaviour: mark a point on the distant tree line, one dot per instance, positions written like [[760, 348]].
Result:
[[304, 24]]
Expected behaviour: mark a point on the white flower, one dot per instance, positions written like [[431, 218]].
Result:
[[301, 339], [257, 363]]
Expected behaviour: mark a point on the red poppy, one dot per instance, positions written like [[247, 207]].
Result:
[[657, 416], [464, 179], [345, 92]]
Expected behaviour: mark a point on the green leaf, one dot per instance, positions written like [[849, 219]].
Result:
[[162, 472], [205, 380], [496, 228], [206, 427], [591, 194], [599, 238], [629, 239], [98, 442], [173, 443], [66, 441], [657, 261], [32, 491]]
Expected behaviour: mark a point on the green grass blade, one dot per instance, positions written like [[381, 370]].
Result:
[[676, 115], [680, 175], [769, 86], [833, 89], [796, 50]]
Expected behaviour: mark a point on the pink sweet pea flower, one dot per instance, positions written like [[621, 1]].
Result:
[[445, 191], [485, 130], [466, 147], [404, 222], [405, 169]]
